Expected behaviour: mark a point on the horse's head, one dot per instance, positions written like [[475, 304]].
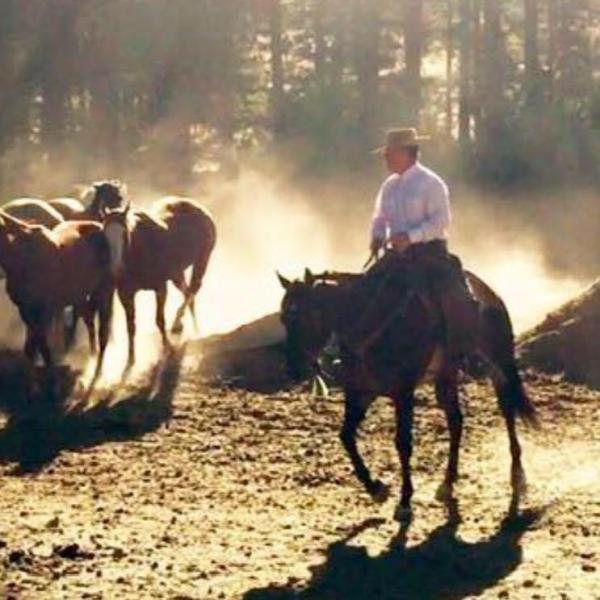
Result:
[[105, 195], [305, 320], [117, 231]]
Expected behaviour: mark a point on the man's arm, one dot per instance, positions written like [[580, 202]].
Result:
[[380, 220], [438, 215]]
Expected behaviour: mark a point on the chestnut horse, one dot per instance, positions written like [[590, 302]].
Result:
[[34, 212], [48, 270], [409, 351], [150, 249]]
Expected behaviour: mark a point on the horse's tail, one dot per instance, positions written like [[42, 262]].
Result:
[[499, 347], [209, 239]]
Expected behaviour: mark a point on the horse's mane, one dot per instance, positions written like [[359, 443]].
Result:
[[337, 278]]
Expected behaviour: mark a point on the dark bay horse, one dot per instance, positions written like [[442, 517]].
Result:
[[408, 352], [48, 270], [100, 195], [150, 249]]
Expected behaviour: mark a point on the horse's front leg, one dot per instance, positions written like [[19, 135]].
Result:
[[404, 405], [31, 347], [446, 391], [127, 298], [356, 406], [103, 305]]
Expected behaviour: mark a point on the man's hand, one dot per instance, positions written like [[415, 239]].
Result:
[[400, 242]]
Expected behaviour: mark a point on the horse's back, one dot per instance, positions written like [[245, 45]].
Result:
[[69, 208], [34, 211]]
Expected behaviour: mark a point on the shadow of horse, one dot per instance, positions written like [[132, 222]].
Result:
[[442, 566], [41, 425]]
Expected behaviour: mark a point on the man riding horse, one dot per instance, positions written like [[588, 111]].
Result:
[[410, 225]]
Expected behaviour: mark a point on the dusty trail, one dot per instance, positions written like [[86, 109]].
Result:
[[171, 489]]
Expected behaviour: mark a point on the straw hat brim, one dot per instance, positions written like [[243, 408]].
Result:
[[414, 142]]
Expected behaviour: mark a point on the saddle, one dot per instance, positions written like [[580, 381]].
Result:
[[433, 275]]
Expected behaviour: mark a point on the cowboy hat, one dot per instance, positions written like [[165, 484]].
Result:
[[402, 138]]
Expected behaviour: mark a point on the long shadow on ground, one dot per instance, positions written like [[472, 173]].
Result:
[[441, 567], [44, 423]]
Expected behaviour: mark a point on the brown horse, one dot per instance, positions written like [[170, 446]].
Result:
[[34, 212], [149, 250], [409, 351], [48, 270]]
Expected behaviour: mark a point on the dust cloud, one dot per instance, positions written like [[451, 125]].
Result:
[[266, 225], [270, 221]]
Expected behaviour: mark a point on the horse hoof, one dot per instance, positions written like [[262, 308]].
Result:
[[403, 514], [380, 492], [444, 492]]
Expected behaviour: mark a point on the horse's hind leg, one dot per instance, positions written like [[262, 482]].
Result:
[[356, 406], [181, 284], [404, 405], [517, 473], [161, 299], [446, 391], [87, 312]]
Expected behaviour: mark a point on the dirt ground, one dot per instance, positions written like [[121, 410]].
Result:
[[168, 488]]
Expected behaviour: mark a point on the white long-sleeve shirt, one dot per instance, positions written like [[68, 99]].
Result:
[[416, 203]]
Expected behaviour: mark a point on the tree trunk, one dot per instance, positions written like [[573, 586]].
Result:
[[552, 33], [449, 60], [320, 55], [277, 74], [477, 70], [466, 42], [366, 26], [54, 64], [494, 64], [413, 50], [531, 51]]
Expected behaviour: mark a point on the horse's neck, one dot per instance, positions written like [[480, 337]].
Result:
[[9, 252], [337, 303]]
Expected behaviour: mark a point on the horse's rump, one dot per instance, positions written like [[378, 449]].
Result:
[[192, 232]]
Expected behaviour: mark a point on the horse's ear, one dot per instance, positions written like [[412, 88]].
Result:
[[286, 283], [309, 278]]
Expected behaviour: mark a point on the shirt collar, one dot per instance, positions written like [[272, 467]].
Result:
[[411, 171]]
